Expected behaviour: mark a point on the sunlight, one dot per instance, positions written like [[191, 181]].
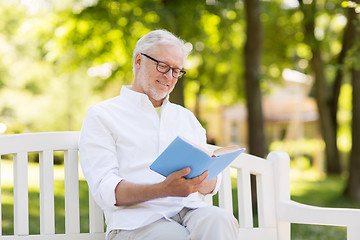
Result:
[[288, 4], [2, 128], [104, 70]]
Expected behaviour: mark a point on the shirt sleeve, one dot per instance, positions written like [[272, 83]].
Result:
[[98, 159]]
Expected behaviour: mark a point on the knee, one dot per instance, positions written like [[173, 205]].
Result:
[[215, 217], [214, 223], [219, 217]]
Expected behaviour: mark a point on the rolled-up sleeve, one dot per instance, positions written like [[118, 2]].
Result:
[[98, 159]]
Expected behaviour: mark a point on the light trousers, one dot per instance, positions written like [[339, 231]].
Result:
[[206, 223]]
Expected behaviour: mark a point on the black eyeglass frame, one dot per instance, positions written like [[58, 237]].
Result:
[[181, 71]]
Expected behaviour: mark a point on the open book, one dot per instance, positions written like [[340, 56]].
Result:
[[181, 154]]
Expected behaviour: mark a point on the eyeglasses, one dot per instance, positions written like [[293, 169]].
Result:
[[164, 68]]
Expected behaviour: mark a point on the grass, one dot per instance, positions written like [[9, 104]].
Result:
[[34, 205], [34, 208], [317, 189], [313, 188], [309, 187]]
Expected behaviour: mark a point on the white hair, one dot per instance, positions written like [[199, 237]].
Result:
[[159, 37]]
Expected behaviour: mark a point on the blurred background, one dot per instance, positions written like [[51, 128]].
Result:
[[269, 75]]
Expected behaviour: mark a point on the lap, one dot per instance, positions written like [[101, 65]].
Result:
[[160, 230], [201, 223]]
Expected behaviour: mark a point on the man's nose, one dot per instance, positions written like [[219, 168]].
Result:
[[169, 74]]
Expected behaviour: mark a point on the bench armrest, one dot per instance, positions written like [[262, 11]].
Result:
[[294, 212]]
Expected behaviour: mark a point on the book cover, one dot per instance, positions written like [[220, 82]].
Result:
[[181, 154]]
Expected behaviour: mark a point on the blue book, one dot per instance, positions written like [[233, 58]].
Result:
[[181, 154]]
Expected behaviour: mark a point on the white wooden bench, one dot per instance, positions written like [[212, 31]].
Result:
[[275, 209]]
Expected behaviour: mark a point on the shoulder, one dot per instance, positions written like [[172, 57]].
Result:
[[105, 105]]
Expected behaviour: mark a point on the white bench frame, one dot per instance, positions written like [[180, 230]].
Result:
[[275, 209]]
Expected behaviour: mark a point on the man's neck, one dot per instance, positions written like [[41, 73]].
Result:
[[156, 103]]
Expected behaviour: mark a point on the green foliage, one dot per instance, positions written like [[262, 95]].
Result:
[[307, 147], [59, 59]]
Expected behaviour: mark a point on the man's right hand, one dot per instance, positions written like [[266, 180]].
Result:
[[176, 185]]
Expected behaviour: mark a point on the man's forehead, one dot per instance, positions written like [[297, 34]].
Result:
[[168, 53]]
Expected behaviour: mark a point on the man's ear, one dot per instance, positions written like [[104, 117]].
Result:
[[137, 60]]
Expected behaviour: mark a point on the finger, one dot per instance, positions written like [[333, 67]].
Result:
[[183, 172], [205, 175], [201, 178]]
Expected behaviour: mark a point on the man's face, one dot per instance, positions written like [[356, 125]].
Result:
[[148, 80]]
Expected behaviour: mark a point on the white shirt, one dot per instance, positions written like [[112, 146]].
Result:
[[120, 138]]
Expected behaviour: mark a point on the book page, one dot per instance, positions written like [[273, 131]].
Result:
[[198, 147], [224, 150]]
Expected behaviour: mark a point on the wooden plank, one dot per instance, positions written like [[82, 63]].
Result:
[[256, 164], [244, 198], [96, 217], [36, 142], [266, 200], [72, 218], [353, 231], [79, 236], [47, 213], [281, 177], [258, 233], [225, 191], [21, 201]]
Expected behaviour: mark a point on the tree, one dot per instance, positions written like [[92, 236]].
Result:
[[322, 95], [252, 55], [353, 184]]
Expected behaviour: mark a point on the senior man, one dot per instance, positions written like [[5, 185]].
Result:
[[122, 136]]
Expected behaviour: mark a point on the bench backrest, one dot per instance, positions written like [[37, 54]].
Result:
[[45, 144], [20, 145]]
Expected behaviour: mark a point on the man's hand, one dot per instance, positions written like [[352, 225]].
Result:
[[208, 186], [177, 186]]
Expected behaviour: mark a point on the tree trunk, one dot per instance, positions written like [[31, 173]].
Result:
[[353, 184], [252, 57], [177, 95], [347, 37], [171, 20], [328, 127]]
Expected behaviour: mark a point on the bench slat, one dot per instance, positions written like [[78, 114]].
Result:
[[95, 217], [258, 233], [35, 142], [266, 200], [225, 194], [47, 214], [244, 198], [21, 206], [72, 218]]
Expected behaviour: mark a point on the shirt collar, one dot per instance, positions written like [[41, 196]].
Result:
[[137, 98]]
